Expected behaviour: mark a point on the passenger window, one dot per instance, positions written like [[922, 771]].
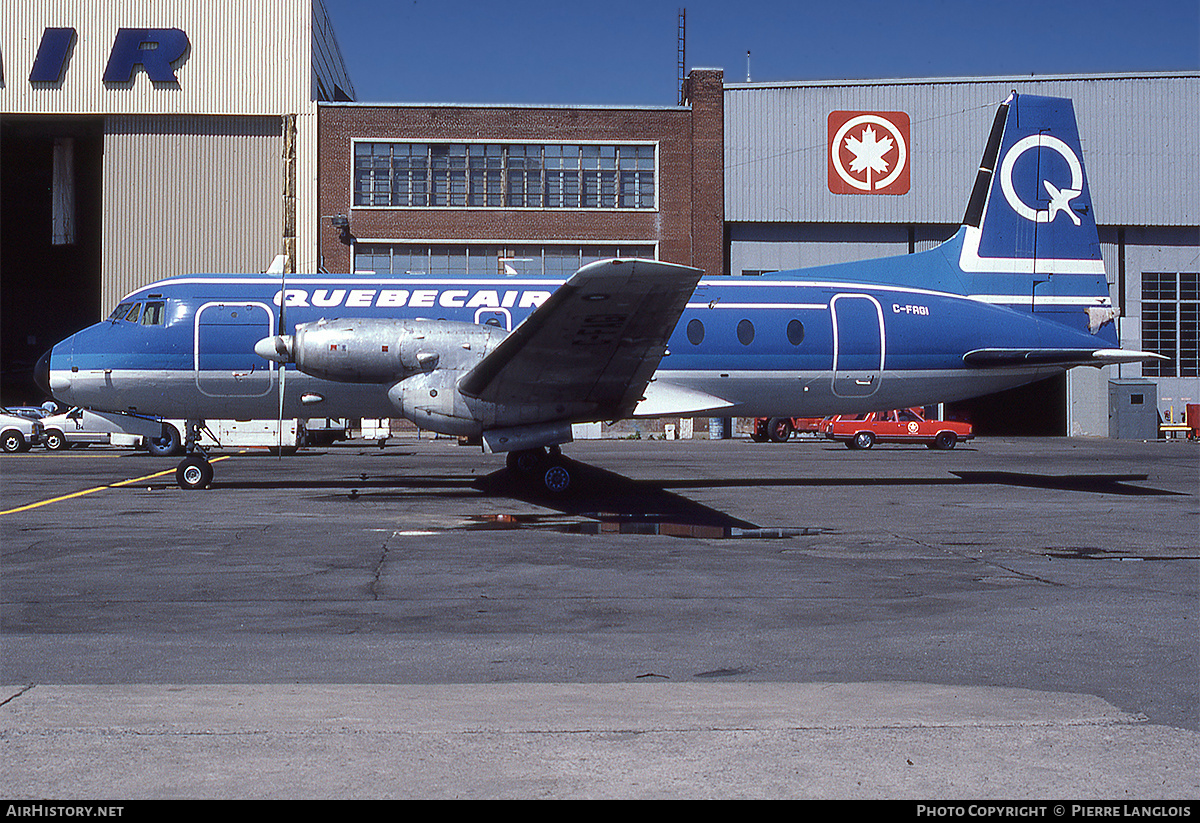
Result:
[[153, 315], [745, 332], [134, 313], [695, 331], [795, 332]]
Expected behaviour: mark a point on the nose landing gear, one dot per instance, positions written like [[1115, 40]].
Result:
[[194, 471]]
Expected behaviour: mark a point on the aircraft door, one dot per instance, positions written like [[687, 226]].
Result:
[[226, 365], [858, 344]]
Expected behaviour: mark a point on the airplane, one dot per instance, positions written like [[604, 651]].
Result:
[[1017, 294]]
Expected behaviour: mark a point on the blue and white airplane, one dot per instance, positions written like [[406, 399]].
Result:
[[1017, 294]]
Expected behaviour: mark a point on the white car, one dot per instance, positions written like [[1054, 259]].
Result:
[[18, 433], [77, 427]]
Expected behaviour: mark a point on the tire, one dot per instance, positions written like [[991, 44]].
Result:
[[862, 440], [779, 429], [557, 478], [193, 472], [945, 440], [525, 461], [12, 441], [168, 445], [56, 441]]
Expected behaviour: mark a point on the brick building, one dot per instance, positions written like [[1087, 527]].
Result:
[[522, 190]]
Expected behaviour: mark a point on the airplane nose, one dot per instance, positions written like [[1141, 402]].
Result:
[[41, 373]]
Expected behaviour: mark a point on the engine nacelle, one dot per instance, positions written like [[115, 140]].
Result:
[[371, 350], [434, 403]]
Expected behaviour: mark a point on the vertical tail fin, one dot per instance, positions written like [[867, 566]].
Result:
[[1031, 209], [1029, 235]]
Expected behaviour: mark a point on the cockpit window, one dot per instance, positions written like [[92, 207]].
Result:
[[154, 314], [120, 311], [134, 313]]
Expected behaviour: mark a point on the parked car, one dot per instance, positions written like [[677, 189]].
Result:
[[862, 431], [17, 433], [779, 429], [81, 427], [31, 412]]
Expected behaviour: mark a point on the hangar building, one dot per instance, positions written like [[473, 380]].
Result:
[[145, 139], [789, 205]]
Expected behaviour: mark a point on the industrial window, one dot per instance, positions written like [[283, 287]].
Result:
[[486, 259], [1171, 323], [539, 176]]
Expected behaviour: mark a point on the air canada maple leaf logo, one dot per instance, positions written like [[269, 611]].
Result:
[[868, 152]]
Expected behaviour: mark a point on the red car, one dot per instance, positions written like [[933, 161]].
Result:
[[862, 431]]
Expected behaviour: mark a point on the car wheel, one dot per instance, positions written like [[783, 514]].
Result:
[[779, 429], [863, 440], [13, 441], [56, 441], [167, 445], [946, 440]]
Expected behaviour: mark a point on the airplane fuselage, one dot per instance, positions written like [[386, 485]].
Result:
[[780, 344]]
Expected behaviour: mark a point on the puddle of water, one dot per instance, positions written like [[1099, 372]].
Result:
[[608, 523]]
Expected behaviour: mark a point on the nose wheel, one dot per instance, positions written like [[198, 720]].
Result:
[[194, 472]]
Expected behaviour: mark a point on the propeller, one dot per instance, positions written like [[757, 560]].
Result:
[[280, 265]]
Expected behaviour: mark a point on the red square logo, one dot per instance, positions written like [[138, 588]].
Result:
[[868, 152]]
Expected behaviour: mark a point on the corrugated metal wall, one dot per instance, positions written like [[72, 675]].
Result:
[[1141, 143], [244, 57], [189, 194]]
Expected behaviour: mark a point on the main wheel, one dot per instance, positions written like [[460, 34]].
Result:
[[779, 429], [862, 440], [56, 441], [525, 461], [557, 478], [193, 472]]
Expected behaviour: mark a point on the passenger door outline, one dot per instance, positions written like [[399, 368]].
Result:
[[857, 331]]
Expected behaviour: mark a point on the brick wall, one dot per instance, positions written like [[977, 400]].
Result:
[[687, 226]]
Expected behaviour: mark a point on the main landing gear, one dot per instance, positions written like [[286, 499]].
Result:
[[194, 471], [543, 466]]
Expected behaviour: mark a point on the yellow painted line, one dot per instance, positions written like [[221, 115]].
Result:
[[118, 484]]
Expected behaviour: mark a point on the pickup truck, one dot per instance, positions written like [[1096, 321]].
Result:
[[862, 431]]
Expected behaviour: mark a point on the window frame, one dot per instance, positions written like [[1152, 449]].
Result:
[[542, 181]]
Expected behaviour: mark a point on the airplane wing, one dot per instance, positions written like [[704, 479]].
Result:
[[998, 358], [595, 343]]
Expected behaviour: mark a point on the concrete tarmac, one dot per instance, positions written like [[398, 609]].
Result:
[[1014, 619]]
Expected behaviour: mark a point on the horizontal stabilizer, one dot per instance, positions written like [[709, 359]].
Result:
[[997, 358]]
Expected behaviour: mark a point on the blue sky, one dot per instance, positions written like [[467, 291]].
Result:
[[623, 52]]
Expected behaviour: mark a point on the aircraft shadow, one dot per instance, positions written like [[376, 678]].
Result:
[[611, 498]]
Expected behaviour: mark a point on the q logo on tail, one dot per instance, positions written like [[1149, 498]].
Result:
[[1060, 199]]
